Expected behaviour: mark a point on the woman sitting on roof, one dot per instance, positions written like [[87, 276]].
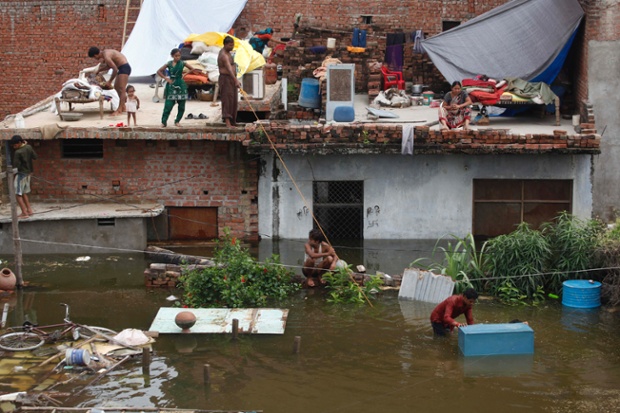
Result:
[[454, 112]]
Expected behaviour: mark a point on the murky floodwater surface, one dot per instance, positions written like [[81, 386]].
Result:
[[353, 359]]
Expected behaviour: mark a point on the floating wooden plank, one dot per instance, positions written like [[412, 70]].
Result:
[[219, 320], [426, 286]]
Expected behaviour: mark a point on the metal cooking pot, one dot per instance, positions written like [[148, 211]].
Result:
[[417, 89]]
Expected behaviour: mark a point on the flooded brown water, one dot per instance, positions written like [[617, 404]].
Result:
[[353, 359]]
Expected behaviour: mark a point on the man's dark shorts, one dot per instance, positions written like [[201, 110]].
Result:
[[124, 69], [440, 330]]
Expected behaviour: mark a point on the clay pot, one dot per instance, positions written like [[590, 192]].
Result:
[[7, 279], [185, 320]]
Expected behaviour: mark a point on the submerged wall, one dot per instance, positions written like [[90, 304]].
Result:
[[75, 236], [411, 197]]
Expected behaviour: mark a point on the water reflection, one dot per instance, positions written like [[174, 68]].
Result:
[[353, 359], [498, 366], [579, 320]]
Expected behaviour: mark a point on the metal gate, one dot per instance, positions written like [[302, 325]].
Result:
[[187, 223], [339, 208]]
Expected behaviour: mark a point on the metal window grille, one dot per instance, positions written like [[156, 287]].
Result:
[[339, 207]]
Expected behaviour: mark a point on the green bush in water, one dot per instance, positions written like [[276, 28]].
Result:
[[461, 261], [236, 280], [573, 244], [519, 257], [343, 288]]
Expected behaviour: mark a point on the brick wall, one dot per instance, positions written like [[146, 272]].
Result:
[[600, 24], [381, 138], [43, 43], [175, 173]]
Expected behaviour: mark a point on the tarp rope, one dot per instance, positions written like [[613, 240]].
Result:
[[290, 175]]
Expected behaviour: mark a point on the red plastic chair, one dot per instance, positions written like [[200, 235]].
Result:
[[392, 79]]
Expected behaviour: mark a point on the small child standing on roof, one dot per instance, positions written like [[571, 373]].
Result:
[[132, 105]]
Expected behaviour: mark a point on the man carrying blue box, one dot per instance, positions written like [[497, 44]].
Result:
[[443, 316]]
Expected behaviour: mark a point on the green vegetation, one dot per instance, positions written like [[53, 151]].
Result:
[[520, 257], [526, 265], [343, 288], [573, 243], [236, 280], [461, 261]]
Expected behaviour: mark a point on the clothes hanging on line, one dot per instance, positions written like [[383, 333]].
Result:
[[417, 38]]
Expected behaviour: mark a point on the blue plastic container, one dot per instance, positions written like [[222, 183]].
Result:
[[581, 294], [496, 339], [355, 42], [362, 38], [77, 357], [344, 114], [309, 96]]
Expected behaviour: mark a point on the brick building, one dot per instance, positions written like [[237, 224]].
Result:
[[42, 43]]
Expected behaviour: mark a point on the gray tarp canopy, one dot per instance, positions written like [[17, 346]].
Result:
[[519, 39]]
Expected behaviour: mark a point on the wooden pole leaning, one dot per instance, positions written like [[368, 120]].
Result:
[[17, 245], [235, 328]]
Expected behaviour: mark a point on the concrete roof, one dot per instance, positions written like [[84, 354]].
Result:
[[62, 211], [149, 115]]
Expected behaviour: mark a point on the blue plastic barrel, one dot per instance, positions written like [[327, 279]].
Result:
[[581, 294], [309, 96]]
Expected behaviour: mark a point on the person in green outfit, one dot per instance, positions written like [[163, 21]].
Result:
[[22, 160], [176, 88]]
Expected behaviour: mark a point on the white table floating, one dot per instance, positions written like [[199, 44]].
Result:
[[219, 320]]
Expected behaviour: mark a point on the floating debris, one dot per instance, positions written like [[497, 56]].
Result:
[[84, 258]]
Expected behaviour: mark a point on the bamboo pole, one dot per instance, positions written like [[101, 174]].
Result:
[[100, 376], [5, 313], [296, 344], [146, 361], [17, 245], [207, 373], [235, 328]]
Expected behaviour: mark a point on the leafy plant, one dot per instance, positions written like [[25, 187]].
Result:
[[236, 280], [509, 294], [538, 296], [343, 289], [519, 257], [608, 257], [573, 243], [461, 261]]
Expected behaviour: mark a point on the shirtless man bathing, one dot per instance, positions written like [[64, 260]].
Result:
[[115, 60]]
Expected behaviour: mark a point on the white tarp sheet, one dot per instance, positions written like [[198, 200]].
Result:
[[519, 39], [163, 24]]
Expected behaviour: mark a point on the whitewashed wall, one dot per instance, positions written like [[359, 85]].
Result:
[[418, 197]]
